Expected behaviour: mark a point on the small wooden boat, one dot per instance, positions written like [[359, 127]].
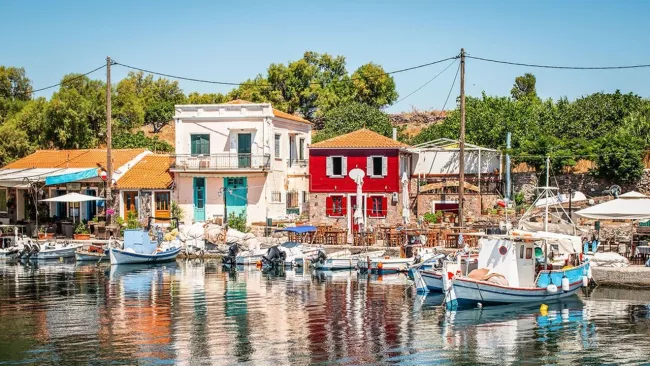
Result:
[[91, 252], [138, 248], [342, 261]]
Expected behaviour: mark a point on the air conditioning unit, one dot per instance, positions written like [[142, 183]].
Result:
[[204, 162], [395, 197]]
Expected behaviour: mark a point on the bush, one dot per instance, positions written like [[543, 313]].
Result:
[[433, 218], [127, 140], [81, 229], [238, 222], [176, 212]]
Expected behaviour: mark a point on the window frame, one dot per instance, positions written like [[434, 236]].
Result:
[[277, 145], [203, 145], [276, 194], [334, 175], [301, 148], [382, 211], [337, 210], [376, 166]]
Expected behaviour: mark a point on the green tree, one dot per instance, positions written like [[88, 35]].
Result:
[[76, 114], [160, 100], [351, 117], [620, 157], [207, 98], [373, 86], [129, 140], [15, 91], [524, 87]]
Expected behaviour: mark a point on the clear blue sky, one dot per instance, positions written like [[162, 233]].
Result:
[[234, 40]]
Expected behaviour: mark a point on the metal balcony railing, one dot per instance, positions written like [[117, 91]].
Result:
[[222, 162]]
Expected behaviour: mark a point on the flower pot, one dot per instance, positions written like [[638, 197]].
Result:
[[81, 236], [42, 236]]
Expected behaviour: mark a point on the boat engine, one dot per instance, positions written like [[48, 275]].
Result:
[[231, 258], [27, 248], [35, 249], [321, 257], [274, 256]]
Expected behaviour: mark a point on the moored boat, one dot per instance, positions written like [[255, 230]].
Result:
[[139, 248], [336, 261]]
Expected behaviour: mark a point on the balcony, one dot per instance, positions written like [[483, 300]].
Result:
[[221, 162], [297, 163]]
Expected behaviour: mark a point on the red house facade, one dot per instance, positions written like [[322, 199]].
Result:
[[333, 194]]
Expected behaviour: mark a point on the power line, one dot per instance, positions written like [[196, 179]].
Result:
[[270, 85], [425, 84], [452, 88], [560, 67], [67, 80]]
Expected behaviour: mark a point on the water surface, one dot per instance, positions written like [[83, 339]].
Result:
[[194, 313]]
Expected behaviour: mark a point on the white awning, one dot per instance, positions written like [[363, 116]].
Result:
[[73, 197], [629, 206]]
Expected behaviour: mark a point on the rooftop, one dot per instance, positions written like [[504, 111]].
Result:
[[152, 172], [359, 139], [276, 112], [84, 158]]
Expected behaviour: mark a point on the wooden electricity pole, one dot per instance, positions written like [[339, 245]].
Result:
[[461, 143], [109, 137]]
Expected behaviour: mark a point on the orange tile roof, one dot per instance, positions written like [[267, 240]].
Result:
[[85, 158], [359, 139], [152, 172], [276, 112]]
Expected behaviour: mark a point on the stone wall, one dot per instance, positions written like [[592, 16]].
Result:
[[586, 183], [317, 212]]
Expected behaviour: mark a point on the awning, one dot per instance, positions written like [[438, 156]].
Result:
[[433, 186], [629, 206], [20, 178], [71, 177], [298, 229], [73, 197]]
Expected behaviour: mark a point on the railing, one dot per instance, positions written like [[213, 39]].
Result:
[[297, 163], [450, 185], [222, 162]]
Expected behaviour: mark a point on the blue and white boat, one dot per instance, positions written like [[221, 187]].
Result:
[[511, 272], [139, 248]]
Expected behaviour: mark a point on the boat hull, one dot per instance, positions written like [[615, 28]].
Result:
[[384, 266], [119, 256], [67, 252], [337, 264], [469, 292], [433, 280], [249, 260]]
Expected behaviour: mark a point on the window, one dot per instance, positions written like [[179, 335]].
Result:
[[277, 145], [200, 144], [305, 196], [162, 202], [529, 253], [378, 206], [235, 182], [3, 200], [301, 149], [337, 166], [292, 199], [276, 196], [336, 206], [521, 253], [377, 166]]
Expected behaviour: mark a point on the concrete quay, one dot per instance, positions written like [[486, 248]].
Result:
[[633, 276]]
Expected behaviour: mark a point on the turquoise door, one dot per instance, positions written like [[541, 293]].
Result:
[[236, 195], [244, 150], [199, 199]]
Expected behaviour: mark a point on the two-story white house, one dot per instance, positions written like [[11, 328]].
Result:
[[242, 158]]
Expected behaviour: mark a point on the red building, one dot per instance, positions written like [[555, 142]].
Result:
[[333, 198]]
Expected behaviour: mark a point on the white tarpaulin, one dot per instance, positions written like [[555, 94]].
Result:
[[629, 206], [73, 198], [358, 212], [406, 214], [561, 198]]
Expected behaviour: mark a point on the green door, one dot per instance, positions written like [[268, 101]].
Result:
[[244, 150], [236, 195], [199, 199]]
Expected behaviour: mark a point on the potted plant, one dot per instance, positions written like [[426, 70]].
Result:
[[43, 234], [81, 233]]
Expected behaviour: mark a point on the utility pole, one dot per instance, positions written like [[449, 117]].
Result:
[[461, 144], [109, 138]]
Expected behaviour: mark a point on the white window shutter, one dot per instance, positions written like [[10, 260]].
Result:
[[329, 166], [384, 166], [369, 166], [344, 164]]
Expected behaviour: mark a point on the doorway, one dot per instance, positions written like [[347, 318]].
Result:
[[130, 203], [199, 199], [244, 150], [236, 195]]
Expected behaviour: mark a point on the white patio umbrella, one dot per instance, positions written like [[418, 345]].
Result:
[[358, 212], [73, 198], [628, 206], [406, 214]]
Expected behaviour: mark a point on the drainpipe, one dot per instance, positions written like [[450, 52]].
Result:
[[394, 133]]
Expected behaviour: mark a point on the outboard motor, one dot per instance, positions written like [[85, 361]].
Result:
[[35, 249], [274, 257], [27, 248], [321, 257], [231, 258]]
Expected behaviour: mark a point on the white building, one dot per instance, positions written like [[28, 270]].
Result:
[[242, 158]]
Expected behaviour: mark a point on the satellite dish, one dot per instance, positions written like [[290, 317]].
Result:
[[356, 173]]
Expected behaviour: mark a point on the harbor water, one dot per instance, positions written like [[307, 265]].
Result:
[[193, 312]]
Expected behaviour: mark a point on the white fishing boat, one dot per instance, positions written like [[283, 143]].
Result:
[[386, 264], [139, 248], [430, 271], [343, 260], [33, 250], [518, 267]]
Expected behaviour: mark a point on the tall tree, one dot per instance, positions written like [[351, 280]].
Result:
[[353, 116], [15, 90], [207, 98], [524, 87]]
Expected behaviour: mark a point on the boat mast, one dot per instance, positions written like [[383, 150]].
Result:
[[546, 191]]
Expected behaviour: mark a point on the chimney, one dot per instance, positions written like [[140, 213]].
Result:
[[394, 133]]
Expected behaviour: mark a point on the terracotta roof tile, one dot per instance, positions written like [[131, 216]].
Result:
[[152, 172], [85, 158], [359, 139], [276, 112]]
